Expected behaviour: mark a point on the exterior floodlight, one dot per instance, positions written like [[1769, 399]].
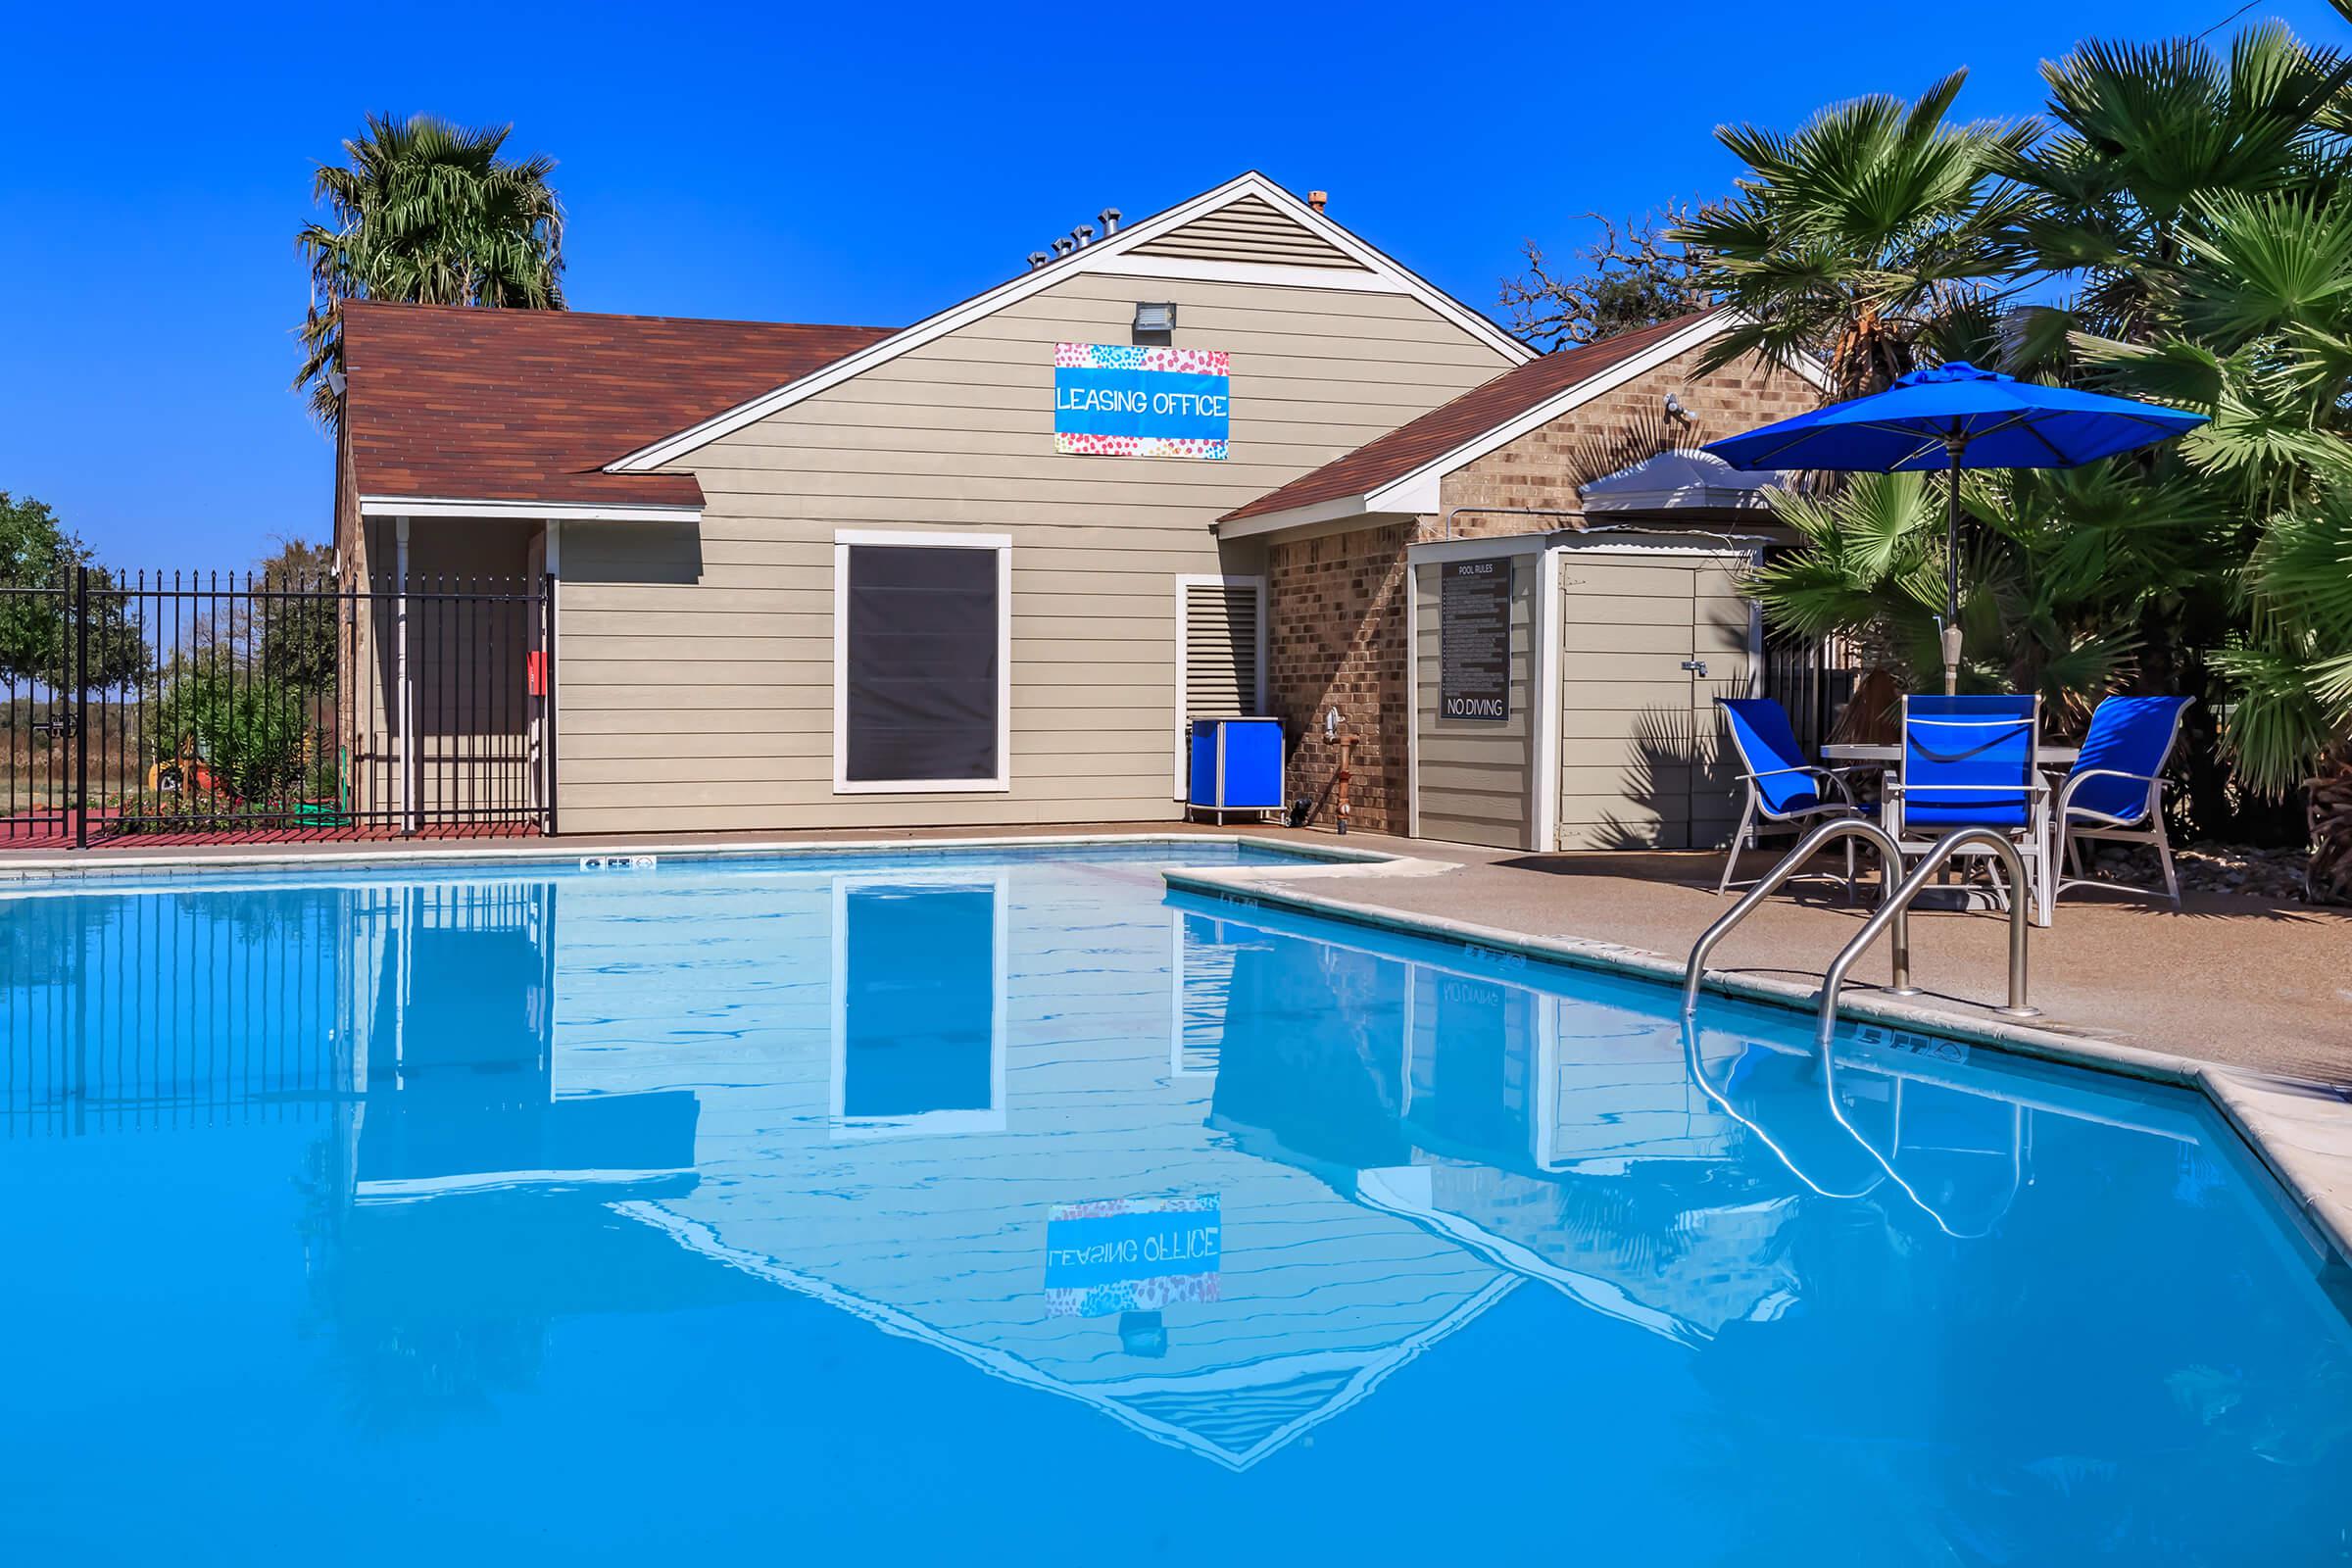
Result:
[[1156, 317]]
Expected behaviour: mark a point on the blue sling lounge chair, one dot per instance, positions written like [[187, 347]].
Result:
[[2116, 789], [1783, 788], [1969, 762]]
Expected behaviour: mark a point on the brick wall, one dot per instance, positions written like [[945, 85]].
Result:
[[1336, 639], [1336, 605], [1545, 466]]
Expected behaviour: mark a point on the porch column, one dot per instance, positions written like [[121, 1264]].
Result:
[[407, 694]]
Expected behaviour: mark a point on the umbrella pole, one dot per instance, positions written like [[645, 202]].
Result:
[[1951, 573]]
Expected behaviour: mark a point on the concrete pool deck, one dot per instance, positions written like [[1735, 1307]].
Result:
[[2249, 1000]]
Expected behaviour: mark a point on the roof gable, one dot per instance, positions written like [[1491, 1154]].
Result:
[[1120, 254], [1374, 476], [466, 403], [1249, 229]]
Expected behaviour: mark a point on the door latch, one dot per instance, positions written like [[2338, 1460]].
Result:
[[1697, 667]]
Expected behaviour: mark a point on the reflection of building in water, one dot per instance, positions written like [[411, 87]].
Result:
[[904, 1140], [456, 983], [1216, 1180]]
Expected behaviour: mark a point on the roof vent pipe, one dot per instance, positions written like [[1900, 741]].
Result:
[[1317, 198], [1038, 258], [1110, 218], [1083, 234]]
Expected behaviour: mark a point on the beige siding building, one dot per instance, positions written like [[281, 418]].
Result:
[[982, 571], [700, 560]]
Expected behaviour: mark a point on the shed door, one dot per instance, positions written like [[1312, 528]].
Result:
[[1641, 754]]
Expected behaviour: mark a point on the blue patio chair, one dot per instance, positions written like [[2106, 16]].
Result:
[[1969, 762], [1783, 790], [2116, 789]]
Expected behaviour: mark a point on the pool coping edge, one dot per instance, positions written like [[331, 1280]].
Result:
[[2274, 1117]]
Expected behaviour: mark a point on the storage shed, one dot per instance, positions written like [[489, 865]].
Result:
[[1565, 685]]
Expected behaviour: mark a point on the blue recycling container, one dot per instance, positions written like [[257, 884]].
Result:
[[1236, 764]]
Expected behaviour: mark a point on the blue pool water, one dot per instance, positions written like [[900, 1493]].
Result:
[[1005, 1209]]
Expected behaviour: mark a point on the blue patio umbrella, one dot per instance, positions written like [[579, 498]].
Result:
[[1955, 417]]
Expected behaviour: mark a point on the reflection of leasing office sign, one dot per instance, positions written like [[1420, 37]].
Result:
[[1122, 1256], [1116, 400], [1474, 640]]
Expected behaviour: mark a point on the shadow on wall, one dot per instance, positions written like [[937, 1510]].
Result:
[[1678, 781], [1641, 436]]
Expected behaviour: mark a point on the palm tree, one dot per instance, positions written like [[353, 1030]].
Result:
[[429, 213], [2259, 333], [2062, 564], [1875, 235], [2144, 134]]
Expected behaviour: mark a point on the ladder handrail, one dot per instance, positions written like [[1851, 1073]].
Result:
[[1890, 913], [1770, 883]]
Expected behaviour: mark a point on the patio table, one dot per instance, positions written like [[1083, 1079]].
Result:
[[2044, 756], [1891, 754]]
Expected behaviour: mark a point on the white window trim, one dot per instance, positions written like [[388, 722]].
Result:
[[1257, 700], [1002, 544], [843, 1127]]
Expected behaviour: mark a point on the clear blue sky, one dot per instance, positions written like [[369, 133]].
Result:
[[855, 163]]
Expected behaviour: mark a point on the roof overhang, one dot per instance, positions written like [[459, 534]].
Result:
[[1380, 274], [1416, 494], [532, 511]]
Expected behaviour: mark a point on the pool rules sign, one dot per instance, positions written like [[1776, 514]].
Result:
[[1474, 640]]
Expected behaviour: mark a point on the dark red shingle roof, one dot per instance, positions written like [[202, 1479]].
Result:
[[499, 405], [1442, 429]]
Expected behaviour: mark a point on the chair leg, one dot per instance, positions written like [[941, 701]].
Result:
[[2164, 858], [2073, 855], [1731, 857]]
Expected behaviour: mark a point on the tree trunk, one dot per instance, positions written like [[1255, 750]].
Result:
[[2328, 879]]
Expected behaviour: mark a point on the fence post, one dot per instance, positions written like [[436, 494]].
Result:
[[81, 707], [547, 607]]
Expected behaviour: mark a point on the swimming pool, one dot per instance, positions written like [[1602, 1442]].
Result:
[[1001, 1205]]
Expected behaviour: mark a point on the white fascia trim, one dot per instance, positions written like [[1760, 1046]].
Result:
[[1545, 631], [1002, 544], [1337, 510], [1188, 270], [533, 510], [1417, 491], [1087, 259]]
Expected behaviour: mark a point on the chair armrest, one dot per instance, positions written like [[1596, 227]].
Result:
[[2066, 791]]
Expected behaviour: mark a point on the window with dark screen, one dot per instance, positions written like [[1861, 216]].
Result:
[[922, 676]]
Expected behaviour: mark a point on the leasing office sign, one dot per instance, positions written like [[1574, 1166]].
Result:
[[1115, 400]]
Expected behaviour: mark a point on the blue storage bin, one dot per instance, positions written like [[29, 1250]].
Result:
[[1236, 765]]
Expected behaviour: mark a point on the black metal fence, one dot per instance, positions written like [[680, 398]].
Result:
[[1813, 678], [264, 706]]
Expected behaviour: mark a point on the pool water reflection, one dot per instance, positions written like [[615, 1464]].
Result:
[[908, 1206]]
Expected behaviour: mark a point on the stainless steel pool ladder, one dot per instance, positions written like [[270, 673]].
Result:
[[1894, 904]]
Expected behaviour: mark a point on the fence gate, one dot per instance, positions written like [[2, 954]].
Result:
[[265, 706]]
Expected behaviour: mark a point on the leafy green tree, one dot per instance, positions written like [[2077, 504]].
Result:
[[2259, 334], [429, 213], [39, 632], [1878, 237], [296, 617]]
